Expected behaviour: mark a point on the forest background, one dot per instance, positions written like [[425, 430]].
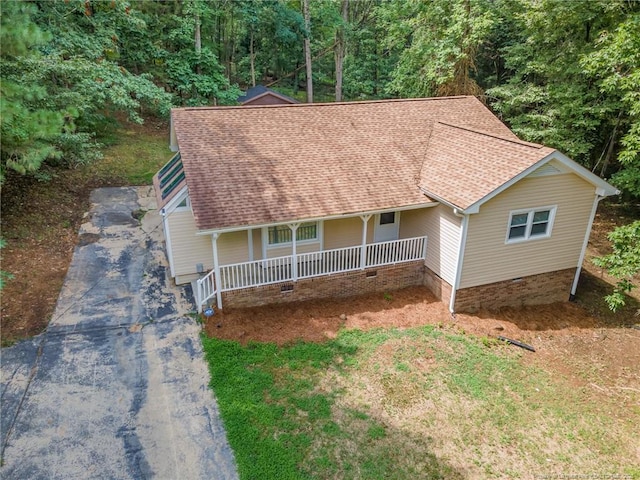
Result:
[[562, 73]]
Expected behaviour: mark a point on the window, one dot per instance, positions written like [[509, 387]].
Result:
[[387, 218], [171, 175], [184, 204], [530, 224], [307, 232]]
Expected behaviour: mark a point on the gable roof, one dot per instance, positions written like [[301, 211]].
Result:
[[257, 165], [259, 91], [465, 165]]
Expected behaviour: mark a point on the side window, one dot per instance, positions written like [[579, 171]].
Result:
[[307, 231], [184, 204], [530, 224]]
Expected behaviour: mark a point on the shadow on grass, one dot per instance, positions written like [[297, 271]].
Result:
[[282, 423]]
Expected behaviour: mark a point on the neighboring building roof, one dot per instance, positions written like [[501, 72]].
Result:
[[259, 94], [256, 165]]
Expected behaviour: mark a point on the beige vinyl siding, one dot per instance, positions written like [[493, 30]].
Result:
[[273, 252], [344, 232], [233, 247], [188, 249], [413, 223], [443, 231], [489, 259]]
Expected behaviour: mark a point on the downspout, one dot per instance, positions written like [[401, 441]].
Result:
[[585, 242], [463, 243], [216, 270]]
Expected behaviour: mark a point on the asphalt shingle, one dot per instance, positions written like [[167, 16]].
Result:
[[462, 166], [276, 163]]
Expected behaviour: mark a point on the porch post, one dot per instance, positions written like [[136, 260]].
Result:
[[250, 243], [363, 249], [294, 253], [216, 270]]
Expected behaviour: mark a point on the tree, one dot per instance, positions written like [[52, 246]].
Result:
[[307, 49], [547, 98], [615, 63], [61, 81], [623, 263], [368, 63], [340, 48], [438, 43], [28, 126]]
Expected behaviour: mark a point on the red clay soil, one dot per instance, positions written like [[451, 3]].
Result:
[[317, 321]]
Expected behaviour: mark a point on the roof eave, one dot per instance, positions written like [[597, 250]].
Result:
[[445, 201], [236, 228], [603, 188]]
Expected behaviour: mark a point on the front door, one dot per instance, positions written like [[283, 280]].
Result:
[[386, 228]]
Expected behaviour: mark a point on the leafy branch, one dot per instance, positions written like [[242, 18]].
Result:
[[623, 263]]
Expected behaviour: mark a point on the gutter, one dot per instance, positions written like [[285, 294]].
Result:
[[318, 219]]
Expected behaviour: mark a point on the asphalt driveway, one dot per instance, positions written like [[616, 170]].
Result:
[[117, 386]]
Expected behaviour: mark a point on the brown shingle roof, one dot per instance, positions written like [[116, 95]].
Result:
[[462, 165], [257, 165]]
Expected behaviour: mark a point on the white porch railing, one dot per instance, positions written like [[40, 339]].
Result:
[[314, 264], [205, 289], [326, 262]]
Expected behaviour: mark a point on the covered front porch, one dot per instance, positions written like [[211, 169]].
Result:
[[298, 266], [306, 254], [291, 268]]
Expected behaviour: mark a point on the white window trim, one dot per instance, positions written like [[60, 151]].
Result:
[[186, 208], [530, 211], [270, 246]]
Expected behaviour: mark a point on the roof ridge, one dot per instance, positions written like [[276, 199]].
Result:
[[325, 104], [493, 135]]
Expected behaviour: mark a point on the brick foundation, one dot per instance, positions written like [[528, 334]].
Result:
[[533, 290], [440, 288], [371, 280]]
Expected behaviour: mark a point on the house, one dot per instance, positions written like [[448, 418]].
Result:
[[261, 95], [279, 203]]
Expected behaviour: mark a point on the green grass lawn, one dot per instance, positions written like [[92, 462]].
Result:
[[135, 158], [405, 404]]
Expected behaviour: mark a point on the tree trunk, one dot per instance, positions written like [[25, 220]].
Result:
[[252, 57], [340, 49], [307, 49], [198, 42]]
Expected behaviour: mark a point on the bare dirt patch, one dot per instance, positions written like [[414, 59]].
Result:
[[410, 307]]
